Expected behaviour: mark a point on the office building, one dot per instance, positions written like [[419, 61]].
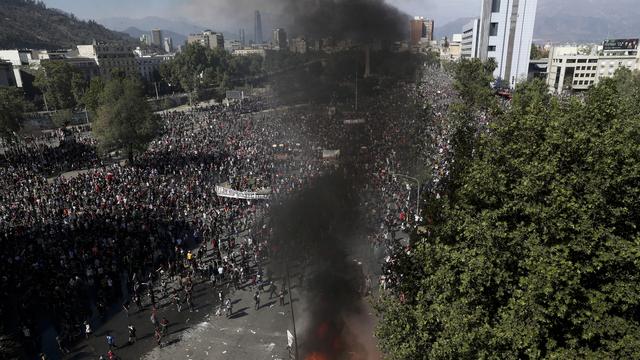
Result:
[[279, 41], [258, 29], [421, 30], [576, 68], [145, 39], [469, 43], [168, 45], [241, 37], [110, 56], [149, 65], [298, 45], [156, 37], [506, 32], [208, 39]]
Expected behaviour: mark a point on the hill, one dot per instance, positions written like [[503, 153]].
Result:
[[575, 21], [30, 24]]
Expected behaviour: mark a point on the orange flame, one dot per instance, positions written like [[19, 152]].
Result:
[[316, 356]]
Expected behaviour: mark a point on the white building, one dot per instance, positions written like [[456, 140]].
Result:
[[208, 39], [110, 56], [250, 52], [576, 68], [18, 60], [506, 32], [149, 65], [469, 42], [168, 45]]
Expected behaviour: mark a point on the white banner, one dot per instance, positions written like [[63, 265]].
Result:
[[354, 121], [329, 154], [230, 193]]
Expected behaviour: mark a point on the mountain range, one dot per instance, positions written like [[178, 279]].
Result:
[[574, 21], [30, 24]]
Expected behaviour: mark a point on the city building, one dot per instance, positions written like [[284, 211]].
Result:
[[469, 43], [19, 59], [451, 50], [145, 39], [7, 77], [298, 45], [279, 41], [208, 38], [156, 37], [250, 52], [618, 53], [421, 30], [257, 29], [505, 35], [578, 67], [168, 45], [149, 65], [110, 56], [241, 37]]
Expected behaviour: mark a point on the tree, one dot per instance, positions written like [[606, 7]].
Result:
[[124, 118], [12, 105], [60, 84], [535, 255], [91, 98]]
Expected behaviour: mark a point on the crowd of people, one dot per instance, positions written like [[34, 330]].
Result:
[[74, 246]]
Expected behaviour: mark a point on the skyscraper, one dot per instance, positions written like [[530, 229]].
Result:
[[279, 41], [258, 28], [421, 29], [241, 37], [469, 42], [506, 32], [168, 45], [156, 37]]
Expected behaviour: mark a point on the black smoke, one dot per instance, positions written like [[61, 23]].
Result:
[[362, 21]]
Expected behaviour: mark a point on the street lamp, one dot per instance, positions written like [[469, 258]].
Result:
[[419, 190]]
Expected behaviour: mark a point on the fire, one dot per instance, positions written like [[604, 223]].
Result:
[[316, 356]]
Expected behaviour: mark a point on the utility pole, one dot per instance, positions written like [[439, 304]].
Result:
[[293, 318]]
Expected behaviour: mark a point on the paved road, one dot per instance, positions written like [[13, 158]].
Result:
[[248, 334]]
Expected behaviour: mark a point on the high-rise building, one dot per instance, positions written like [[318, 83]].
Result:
[[469, 41], [258, 29], [156, 37], [208, 38], [421, 30], [279, 41], [144, 38], [168, 45], [506, 32], [241, 37]]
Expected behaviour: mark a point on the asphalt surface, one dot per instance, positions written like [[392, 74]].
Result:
[[199, 334]]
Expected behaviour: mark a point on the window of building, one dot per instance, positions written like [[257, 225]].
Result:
[[582, 60], [571, 61], [492, 48], [495, 6], [493, 29]]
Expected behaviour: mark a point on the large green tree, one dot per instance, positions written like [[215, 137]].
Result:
[[124, 118], [12, 105], [61, 84], [536, 253]]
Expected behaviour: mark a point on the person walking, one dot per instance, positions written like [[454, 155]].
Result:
[[132, 334], [281, 295], [256, 298], [111, 341]]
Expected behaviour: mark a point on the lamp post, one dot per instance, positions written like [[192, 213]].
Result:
[[419, 190]]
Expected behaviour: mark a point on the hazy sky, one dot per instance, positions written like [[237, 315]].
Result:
[[441, 10]]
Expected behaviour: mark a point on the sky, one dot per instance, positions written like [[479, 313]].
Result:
[[441, 11]]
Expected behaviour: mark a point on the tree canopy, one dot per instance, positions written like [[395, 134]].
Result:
[[535, 254], [12, 105], [198, 67], [61, 84], [124, 117]]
